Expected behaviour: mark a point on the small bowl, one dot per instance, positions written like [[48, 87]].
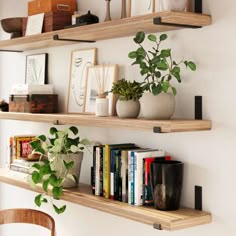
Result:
[[13, 26]]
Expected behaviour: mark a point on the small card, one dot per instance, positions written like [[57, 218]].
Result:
[[34, 24]]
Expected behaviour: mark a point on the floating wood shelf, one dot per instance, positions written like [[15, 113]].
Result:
[[108, 30], [163, 126], [171, 220]]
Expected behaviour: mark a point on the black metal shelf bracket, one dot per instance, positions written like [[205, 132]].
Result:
[[2, 50], [198, 197], [157, 226], [158, 21], [157, 130], [56, 122], [56, 37]]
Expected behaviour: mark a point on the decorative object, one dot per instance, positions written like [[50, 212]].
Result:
[[99, 80], [36, 69], [128, 93], [158, 67], [34, 24], [87, 19], [102, 105], [13, 26], [108, 11], [166, 184], [129, 6], [176, 5], [80, 60], [123, 9], [142, 7], [4, 106], [60, 163]]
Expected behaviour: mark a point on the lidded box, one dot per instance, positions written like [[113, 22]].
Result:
[[34, 103]]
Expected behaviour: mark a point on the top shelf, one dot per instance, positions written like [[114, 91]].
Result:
[[108, 30]]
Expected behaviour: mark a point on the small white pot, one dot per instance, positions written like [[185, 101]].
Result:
[[57, 164], [176, 5], [127, 109], [159, 107]]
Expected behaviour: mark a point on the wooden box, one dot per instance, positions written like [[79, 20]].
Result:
[[42, 6], [52, 21], [34, 103]]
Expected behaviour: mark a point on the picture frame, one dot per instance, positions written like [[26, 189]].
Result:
[[95, 75], [36, 69], [80, 60], [142, 7]]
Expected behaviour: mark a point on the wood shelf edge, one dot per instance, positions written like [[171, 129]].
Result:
[[174, 220]]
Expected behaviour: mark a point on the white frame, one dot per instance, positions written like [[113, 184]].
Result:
[[80, 60], [111, 73]]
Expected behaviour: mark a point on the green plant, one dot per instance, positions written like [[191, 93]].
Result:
[[157, 65], [62, 142], [127, 90]]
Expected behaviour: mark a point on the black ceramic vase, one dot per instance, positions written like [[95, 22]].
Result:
[[166, 184]]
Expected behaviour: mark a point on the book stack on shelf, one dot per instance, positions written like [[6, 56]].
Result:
[[122, 172], [19, 154]]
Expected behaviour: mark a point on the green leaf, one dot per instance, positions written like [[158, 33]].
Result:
[[57, 192], [36, 177], [59, 210], [162, 65], [156, 89], [43, 138], [54, 181], [144, 71], [165, 52], [158, 74], [152, 37], [37, 200], [68, 165], [177, 76], [176, 69], [74, 130], [45, 170], [53, 130], [163, 37], [133, 54], [143, 65], [192, 65], [139, 38], [36, 166], [141, 51], [174, 90], [76, 179], [165, 86], [45, 185]]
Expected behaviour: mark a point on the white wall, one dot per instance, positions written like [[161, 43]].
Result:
[[209, 156]]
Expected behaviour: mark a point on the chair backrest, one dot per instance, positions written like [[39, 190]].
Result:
[[30, 216]]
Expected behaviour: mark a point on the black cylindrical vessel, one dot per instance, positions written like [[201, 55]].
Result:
[[166, 184]]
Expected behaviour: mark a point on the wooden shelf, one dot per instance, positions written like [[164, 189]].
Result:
[[107, 30], [167, 220], [165, 126]]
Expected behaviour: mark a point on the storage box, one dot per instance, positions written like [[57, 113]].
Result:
[[42, 6], [34, 103], [52, 21]]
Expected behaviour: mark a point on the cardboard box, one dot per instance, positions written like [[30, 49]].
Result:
[[34, 103], [52, 21], [42, 6]]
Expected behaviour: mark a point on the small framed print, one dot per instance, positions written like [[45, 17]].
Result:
[[34, 24], [36, 69], [80, 61], [100, 79], [142, 7]]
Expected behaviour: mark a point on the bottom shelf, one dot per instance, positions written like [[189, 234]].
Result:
[[167, 220]]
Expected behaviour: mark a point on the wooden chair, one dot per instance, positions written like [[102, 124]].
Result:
[[29, 216]]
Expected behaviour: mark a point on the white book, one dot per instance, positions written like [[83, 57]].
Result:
[[25, 89], [97, 172], [139, 155]]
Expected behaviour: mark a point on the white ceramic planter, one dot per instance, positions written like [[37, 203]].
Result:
[[127, 109], [176, 5], [159, 107], [58, 165]]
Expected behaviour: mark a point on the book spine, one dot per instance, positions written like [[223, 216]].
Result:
[[97, 174], [117, 177], [101, 170], [107, 171], [112, 171], [20, 169], [131, 177], [93, 169], [124, 175]]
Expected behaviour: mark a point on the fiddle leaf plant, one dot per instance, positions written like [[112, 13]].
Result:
[[157, 65], [61, 142]]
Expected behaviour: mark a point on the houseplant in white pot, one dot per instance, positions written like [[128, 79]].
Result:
[[60, 163], [158, 68], [127, 105]]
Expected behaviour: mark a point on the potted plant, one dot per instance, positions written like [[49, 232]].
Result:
[[128, 92], [4, 106], [159, 68], [60, 163]]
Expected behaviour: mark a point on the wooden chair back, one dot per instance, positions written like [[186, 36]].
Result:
[[28, 216]]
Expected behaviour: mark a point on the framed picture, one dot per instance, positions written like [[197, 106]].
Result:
[[99, 80], [142, 7], [80, 60], [36, 69]]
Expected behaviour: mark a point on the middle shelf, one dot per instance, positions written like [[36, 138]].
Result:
[[162, 126], [167, 220]]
